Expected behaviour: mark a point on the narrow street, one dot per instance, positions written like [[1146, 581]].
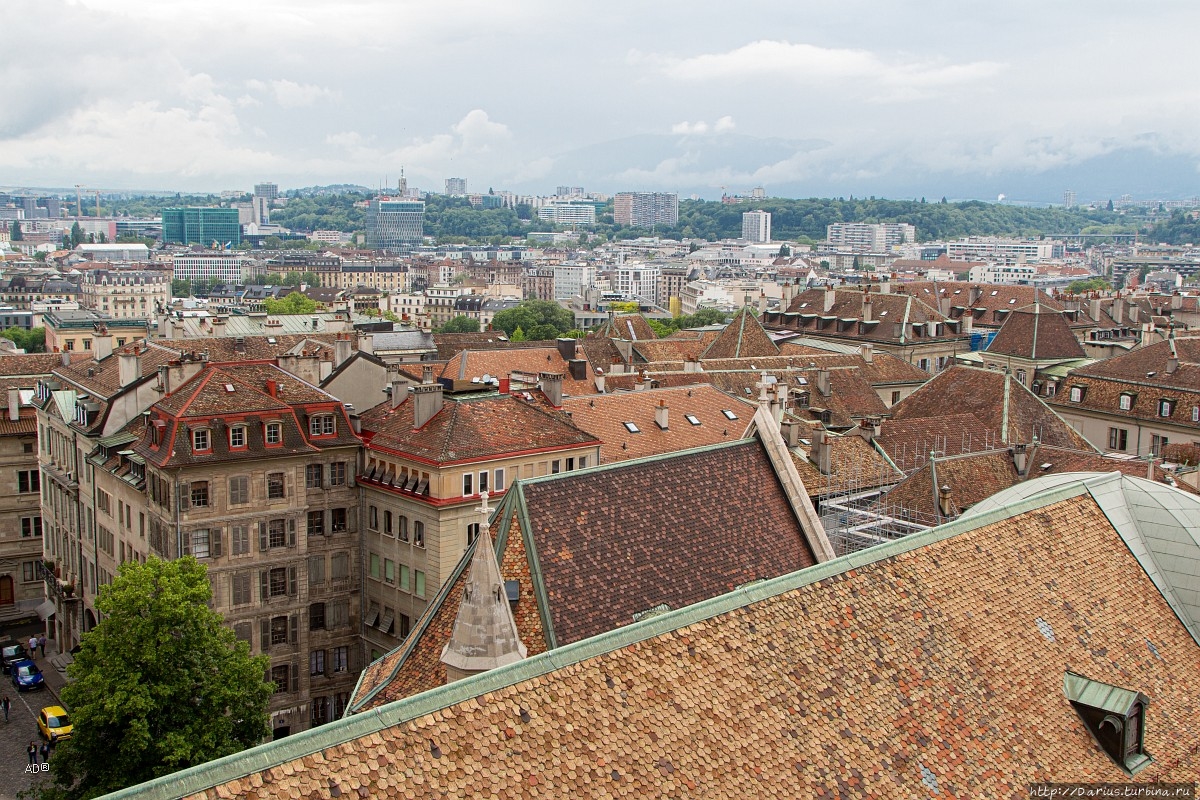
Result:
[[21, 728]]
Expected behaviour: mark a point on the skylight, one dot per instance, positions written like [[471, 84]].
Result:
[[692, 418], [629, 426], [995, 292], [728, 414], [1013, 300], [803, 381], [229, 387]]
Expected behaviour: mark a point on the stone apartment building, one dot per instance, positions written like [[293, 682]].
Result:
[[126, 294], [427, 461]]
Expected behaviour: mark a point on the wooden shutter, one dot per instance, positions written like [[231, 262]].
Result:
[[264, 634], [214, 542], [294, 629], [186, 548], [327, 668], [292, 581], [291, 533], [295, 677], [185, 496], [264, 588], [263, 545]]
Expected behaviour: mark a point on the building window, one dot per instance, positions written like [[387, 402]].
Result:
[[316, 662], [279, 630], [31, 527], [276, 534], [498, 480], [387, 522], [316, 523], [402, 527], [1157, 443], [1126, 402], [1076, 394], [199, 494], [237, 436], [483, 482], [468, 484], [1118, 438], [316, 617], [472, 532], [319, 709], [419, 583], [279, 677], [374, 568], [29, 571], [277, 582], [1166, 407], [321, 425], [555, 466], [339, 566], [337, 473], [239, 588], [341, 658], [200, 440], [338, 520], [316, 570], [405, 573], [373, 518], [239, 536], [200, 543], [314, 475], [389, 570], [274, 434], [419, 533], [275, 486], [239, 490], [29, 481]]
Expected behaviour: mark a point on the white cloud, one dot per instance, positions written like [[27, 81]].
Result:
[[290, 94], [724, 124], [690, 128]]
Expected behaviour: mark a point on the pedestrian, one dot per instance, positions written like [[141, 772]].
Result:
[[5, 704], [42, 644], [32, 646], [32, 751], [45, 752]]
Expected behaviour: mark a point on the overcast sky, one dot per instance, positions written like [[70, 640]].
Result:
[[819, 97]]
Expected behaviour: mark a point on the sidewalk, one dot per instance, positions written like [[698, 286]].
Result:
[[54, 669]]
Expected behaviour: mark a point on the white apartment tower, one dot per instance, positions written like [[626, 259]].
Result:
[[756, 226], [866, 237]]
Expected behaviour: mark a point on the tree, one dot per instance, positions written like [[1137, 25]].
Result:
[[31, 341], [785, 251], [1096, 284], [461, 324], [76, 236], [17, 235], [518, 335], [159, 685], [181, 287], [624, 307], [529, 315], [1110, 204], [294, 303]]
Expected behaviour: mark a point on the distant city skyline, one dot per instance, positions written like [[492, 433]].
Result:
[[805, 99]]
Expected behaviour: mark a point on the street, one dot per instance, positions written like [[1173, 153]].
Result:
[[21, 728]]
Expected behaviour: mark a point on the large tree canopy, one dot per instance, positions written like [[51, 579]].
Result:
[[294, 303], [539, 319], [159, 685]]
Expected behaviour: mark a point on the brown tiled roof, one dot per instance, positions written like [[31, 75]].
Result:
[[469, 429], [612, 542], [24, 425], [451, 344], [29, 364], [892, 316], [936, 669], [671, 349], [605, 416], [530, 361], [852, 458], [743, 337], [627, 326], [1036, 332], [986, 298]]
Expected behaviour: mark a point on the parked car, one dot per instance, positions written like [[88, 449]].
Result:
[[10, 653], [54, 724], [26, 675]]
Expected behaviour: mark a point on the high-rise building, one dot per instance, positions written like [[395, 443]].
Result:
[[264, 193], [756, 226], [646, 209], [201, 226], [456, 187], [569, 212], [267, 190], [394, 223], [1069, 198], [867, 237], [639, 281], [569, 191]]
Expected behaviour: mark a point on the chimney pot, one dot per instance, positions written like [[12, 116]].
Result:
[[427, 402], [551, 384]]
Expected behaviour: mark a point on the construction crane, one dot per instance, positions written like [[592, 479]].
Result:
[[97, 202], [78, 201]]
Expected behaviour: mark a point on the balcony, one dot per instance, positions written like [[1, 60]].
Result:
[[57, 589]]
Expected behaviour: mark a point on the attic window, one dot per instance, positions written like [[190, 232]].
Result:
[[728, 414], [1011, 301], [692, 418], [1115, 718], [803, 381], [629, 426], [1077, 393], [1166, 408], [995, 292], [883, 313], [229, 387], [1125, 402]]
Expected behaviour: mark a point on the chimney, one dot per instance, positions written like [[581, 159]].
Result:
[[272, 387], [426, 374], [551, 384], [218, 324], [356, 423], [505, 385], [1172, 364], [866, 429], [867, 307], [625, 348], [876, 424], [130, 365], [1021, 458], [822, 451], [1094, 308], [885, 284], [976, 294], [366, 343], [341, 350], [945, 504], [66, 358], [1118, 311], [830, 297], [968, 321], [691, 364], [427, 401], [600, 383], [791, 432], [101, 342], [762, 302], [14, 405], [577, 368], [399, 389], [1134, 308], [566, 347], [660, 414], [868, 353], [823, 382]]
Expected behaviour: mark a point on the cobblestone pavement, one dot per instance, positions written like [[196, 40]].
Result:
[[21, 728]]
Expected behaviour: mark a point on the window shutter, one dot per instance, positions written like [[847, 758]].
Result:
[[292, 581], [262, 584], [291, 533], [186, 548], [214, 542], [327, 665], [264, 634], [185, 494], [294, 633], [262, 537], [295, 677]]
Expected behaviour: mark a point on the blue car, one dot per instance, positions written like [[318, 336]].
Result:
[[26, 675]]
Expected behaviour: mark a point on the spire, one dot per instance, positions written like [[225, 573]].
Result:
[[485, 634]]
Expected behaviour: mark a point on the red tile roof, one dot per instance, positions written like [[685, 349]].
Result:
[[1036, 332]]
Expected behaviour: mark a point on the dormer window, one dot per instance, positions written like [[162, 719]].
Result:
[[274, 433], [321, 425], [201, 440], [1166, 408], [1077, 394], [1126, 402], [237, 436], [1115, 717]]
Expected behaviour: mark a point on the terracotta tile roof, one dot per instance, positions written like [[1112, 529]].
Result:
[[892, 317], [627, 326], [852, 457], [671, 349], [574, 531], [24, 425], [29, 364], [469, 429], [1036, 332], [528, 361], [451, 344], [992, 409], [935, 668], [605, 416], [987, 298], [743, 337]]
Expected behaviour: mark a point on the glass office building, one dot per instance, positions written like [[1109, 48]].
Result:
[[202, 226], [392, 224]]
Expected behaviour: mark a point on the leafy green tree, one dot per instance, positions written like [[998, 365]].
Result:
[[32, 341], [784, 251], [461, 324], [294, 303], [181, 287], [272, 243], [77, 236], [159, 685], [517, 335], [533, 313], [1088, 285], [17, 235]]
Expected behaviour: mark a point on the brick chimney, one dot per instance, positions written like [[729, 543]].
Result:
[[945, 503], [342, 347], [1021, 458], [867, 306], [660, 414], [130, 365], [830, 298], [101, 342], [551, 384], [427, 401], [822, 451]]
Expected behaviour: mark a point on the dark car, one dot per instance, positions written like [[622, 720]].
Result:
[[26, 675], [10, 653]]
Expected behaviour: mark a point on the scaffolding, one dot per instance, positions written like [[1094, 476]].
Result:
[[853, 506]]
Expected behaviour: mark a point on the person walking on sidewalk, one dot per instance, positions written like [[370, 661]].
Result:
[[32, 647], [5, 705], [42, 644], [45, 752], [32, 751]]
